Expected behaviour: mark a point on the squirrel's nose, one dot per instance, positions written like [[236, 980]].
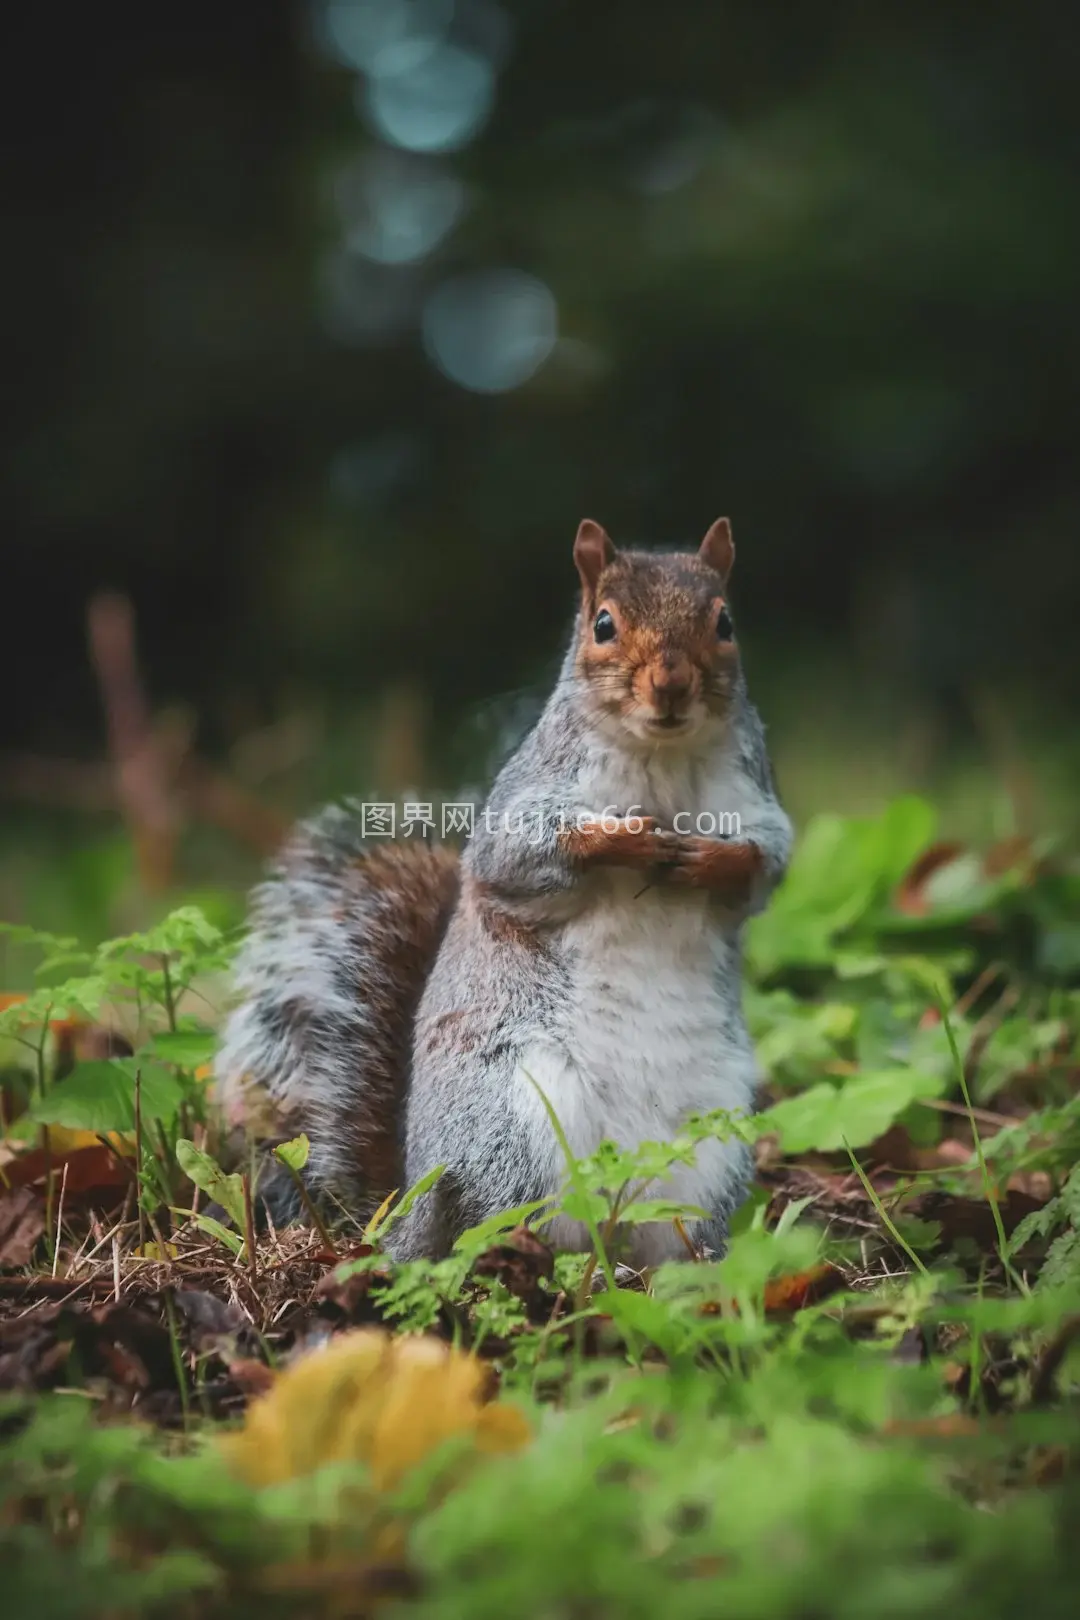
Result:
[[671, 680]]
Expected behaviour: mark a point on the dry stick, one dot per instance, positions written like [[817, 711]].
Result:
[[60, 1218], [249, 1226], [941, 1106], [309, 1206], [981, 982], [144, 794]]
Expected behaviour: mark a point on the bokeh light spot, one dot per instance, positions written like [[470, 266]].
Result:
[[384, 36], [438, 105], [492, 330], [396, 209]]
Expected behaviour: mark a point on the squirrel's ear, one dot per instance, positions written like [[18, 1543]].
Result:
[[718, 548], [593, 551]]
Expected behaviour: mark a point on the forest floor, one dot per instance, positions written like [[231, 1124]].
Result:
[[870, 1404]]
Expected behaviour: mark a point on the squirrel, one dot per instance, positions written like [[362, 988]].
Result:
[[398, 1001]]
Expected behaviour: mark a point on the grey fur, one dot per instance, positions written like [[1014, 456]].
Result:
[[504, 984]]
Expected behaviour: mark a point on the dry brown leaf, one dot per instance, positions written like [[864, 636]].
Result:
[[784, 1294], [22, 1221]]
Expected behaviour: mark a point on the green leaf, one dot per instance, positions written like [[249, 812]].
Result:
[[101, 1097], [183, 931], [859, 1111], [581, 1204], [416, 1191], [187, 1048], [75, 998], [294, 1153], [207, 1224], [478, 1238], [643, 1210], [648, 1316], [210, 1178]]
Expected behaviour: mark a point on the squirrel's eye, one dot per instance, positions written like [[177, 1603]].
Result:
[[604, 628], [725, 630]]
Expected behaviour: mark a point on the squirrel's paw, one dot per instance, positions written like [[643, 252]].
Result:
[[727, 868], [633, 840]]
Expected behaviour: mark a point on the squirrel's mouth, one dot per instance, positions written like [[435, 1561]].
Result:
[[669, 725]]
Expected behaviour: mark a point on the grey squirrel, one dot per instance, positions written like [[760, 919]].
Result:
[[398, 1000]]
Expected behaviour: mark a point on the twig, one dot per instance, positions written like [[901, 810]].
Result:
[[309, 1205], [142, 790], [942, 1106], [60, 1218], [249, 1227], [981, 982]]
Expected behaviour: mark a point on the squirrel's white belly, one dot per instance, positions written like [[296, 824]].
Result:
[[654, 1033]]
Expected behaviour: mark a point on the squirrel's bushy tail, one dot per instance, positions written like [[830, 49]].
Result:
[[343, 935]]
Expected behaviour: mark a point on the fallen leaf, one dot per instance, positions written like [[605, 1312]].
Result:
[[783, 1294], [158, 1252], [910, 896], [250, 1376], [22, 1221], [971, 1218], [89, 1170], [208, 1318], [344, 1299], [519, 1262], [368, 1397]]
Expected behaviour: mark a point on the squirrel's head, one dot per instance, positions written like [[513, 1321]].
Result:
[[656, 645]]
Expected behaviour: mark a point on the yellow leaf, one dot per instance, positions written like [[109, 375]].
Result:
[[373, 1227], [154, 1251], [63, 1141], [367, 1397]]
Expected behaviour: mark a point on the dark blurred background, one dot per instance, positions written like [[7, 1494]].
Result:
[[327, 322]]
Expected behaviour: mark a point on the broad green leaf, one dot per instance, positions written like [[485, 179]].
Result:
[[101, 1097], [825, 1117], [294, 1153], [843, 868], [187, 1048], [581, 1204], [210, 1178], [650, 1317]]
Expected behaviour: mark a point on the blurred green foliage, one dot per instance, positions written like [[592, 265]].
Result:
[[814, 269]]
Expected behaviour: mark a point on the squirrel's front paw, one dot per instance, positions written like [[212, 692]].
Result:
[[727, 868], [638, 841]]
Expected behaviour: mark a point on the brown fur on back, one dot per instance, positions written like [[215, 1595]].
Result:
[[344, 935]]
